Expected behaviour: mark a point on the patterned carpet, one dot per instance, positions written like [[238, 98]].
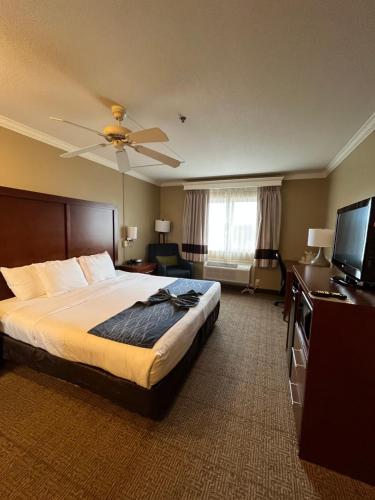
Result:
[[229, 435]]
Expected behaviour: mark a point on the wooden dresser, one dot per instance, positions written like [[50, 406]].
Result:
[[331, 361]]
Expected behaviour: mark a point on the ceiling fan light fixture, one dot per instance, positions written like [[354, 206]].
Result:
[[118, 136], [119, 145], [116, 132], [118, 111]]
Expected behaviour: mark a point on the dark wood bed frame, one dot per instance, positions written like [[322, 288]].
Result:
[[37, 227]]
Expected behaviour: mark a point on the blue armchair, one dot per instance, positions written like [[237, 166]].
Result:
[[181, 269]]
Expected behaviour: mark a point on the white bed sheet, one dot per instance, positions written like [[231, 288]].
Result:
[[60, 325]]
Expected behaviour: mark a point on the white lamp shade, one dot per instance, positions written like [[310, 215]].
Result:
[[131, 232], [162, 226], [322, 238]]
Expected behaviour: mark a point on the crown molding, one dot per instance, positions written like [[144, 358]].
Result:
[[250, 182], [172, 183], [33, 133], [321, 174], [367, 128]]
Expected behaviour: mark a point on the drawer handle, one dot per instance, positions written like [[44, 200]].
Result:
[[296, 364], [291, 385]]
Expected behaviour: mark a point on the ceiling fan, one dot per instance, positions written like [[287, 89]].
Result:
[[119, 136]]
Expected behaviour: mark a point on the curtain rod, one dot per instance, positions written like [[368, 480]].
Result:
[[251, 182]]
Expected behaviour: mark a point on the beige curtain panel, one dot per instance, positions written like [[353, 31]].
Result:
[[195, 225], [269, 222]]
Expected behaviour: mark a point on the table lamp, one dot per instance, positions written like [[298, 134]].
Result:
[[321, 238], [163, 227]]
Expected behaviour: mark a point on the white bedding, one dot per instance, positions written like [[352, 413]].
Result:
[[60, 325]]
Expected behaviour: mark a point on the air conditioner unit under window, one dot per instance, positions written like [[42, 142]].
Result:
[[227, 273]]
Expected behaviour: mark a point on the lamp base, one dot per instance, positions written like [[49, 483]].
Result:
[[162, 238], [320, 260]]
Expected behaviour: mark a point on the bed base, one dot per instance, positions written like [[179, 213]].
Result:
[[152, 403]]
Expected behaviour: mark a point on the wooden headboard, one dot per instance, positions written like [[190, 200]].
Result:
[[36, 227]]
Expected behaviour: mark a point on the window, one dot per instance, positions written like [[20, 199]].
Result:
[[232, 225]]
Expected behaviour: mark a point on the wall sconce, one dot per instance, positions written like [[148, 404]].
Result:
[[131, 235]]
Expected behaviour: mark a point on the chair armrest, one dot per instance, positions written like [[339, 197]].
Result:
[[161, 270], [185, 264]]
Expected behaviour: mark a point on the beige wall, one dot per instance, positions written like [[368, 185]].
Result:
[[304, 205], [171, 208], [142, 206], [34, 166], [353, 180]]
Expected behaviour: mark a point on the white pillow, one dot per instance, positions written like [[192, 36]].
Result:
[[98, 267], [24, 281], [61, 276]]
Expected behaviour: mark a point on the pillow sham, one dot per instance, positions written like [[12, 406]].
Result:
[[98, 267], [24, 281], [61, 276], [169, 260]]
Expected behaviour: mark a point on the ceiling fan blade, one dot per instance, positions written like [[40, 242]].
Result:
[[77, 152], [147, 135], [106, 101], [167, 160], [76, 125], [122, 161]]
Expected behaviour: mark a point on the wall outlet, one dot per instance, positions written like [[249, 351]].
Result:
[[257, 283]]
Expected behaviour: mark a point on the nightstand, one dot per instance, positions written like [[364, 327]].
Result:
[[144, 268]]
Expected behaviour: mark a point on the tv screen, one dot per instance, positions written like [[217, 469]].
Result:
[[351, 231]]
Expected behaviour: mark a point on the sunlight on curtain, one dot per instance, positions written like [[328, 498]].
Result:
[[232, 224]]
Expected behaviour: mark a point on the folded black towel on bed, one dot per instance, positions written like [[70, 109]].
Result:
[[182, 301], [144, 323]]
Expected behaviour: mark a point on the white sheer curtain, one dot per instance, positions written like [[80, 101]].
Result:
[[232, 223]]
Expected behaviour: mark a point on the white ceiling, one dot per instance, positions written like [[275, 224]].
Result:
[[267, 85]]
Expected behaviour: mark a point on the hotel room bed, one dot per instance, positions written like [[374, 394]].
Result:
[[50, 335], [59, 325]]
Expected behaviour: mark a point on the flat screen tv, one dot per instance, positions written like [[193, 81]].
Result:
[[354, 247]]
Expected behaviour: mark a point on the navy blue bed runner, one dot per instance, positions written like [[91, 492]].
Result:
[[144, 323]]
